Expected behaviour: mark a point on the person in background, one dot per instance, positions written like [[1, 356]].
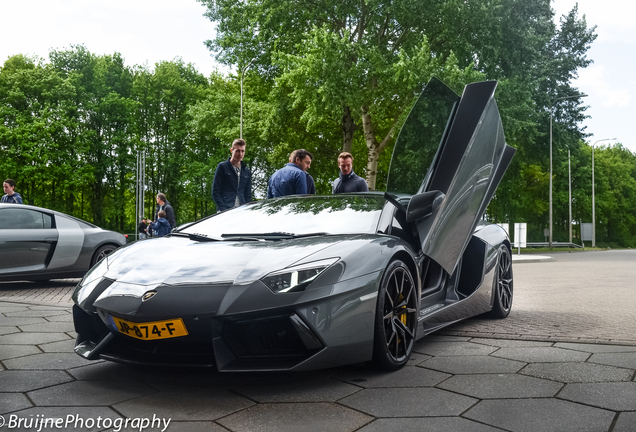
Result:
[[311, 185], [10, 196], [163, 204], [232, 184], [348, 181], [162, 226], [141, 229], [290, 179]]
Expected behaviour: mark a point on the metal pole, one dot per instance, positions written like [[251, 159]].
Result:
[[551, 106], [593, 206], [550, 224], [242, 75], [570, 196]]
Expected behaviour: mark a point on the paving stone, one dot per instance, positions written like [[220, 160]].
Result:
[[77, 417], [472, 364], [540, 415], [60, 318], [509, 343], [498, 386], [65, 346], [625, 422], [314, 417], [178, 427], [24, 381], [84, 393], [417, 358], [175, 379], [48, 327], [32, 338], [541, 354], [413, 402], [444, 338], [13, 351], [105, 370], [46, 361], [595, 348], [10, 402], [617, 396], [8, 330], [50, 308], [625, 360], [316, 390], [35, 313], [12, 308], [453, 348], [577, 372], [408, 376], [20, 321], [197, 405], [428, 424]]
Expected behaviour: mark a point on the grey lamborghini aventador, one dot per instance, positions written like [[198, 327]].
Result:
[[36, 244], [306, 282]]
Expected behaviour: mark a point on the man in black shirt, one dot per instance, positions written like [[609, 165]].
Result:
[[348, 181]]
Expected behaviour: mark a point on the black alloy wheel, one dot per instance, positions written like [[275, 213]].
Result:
[[503, 285], [101, 254], [396, 317]]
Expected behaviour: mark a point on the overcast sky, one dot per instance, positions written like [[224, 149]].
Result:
[[146, 31]]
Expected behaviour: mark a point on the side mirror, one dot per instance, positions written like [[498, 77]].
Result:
[[423, 205]]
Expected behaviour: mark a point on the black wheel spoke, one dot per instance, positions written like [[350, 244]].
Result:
[[398, 315]]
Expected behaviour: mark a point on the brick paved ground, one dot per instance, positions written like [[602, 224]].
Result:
[[55, 292], [582, 296]]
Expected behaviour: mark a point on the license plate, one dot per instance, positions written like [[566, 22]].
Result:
[[151, 330]]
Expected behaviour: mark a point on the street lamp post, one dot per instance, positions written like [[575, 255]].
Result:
[[569, 198], [551, 106], [593, 207], [242, 75]]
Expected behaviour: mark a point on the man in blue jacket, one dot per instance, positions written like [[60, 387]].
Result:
[[232, 185], [290, 179]]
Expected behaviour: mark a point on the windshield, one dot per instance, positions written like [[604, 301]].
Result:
[[339, 214]]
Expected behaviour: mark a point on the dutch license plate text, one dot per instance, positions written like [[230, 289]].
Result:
[[152, 330]]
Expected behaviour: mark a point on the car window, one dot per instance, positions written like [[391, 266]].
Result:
[[19, 218], [338, 214], [417, 144]]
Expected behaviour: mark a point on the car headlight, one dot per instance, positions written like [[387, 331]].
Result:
[[90, 281], [296, 278]]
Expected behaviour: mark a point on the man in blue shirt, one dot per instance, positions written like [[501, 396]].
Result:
[[291, 179], [311, 185], [11, 196]]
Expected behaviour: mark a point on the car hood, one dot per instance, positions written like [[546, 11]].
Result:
[[175, 260]]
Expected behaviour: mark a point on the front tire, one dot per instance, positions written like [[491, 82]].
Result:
[[395, 317], [503, 288], [101, 254]]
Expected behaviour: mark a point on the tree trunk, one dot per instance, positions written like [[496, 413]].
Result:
[[348, 127], [374, 147]]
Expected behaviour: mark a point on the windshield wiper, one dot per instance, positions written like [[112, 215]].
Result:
[[269, 236], [195, 237]]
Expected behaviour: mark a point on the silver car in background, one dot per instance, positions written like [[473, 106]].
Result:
[[37, 244]]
